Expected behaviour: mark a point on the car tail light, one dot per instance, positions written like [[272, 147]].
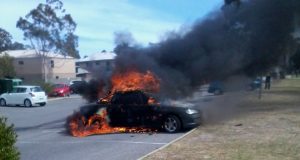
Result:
[[31, 94]]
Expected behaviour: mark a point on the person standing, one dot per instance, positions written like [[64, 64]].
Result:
[[268, 82]]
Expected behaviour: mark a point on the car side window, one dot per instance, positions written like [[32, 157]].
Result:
[[21, 90], [15, 90]]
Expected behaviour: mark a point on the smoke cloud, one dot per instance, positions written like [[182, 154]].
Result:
[[244, 38]]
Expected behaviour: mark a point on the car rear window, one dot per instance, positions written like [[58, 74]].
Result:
[[36, 89]]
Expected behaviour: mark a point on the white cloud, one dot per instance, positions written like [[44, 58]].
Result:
[[97, 20]]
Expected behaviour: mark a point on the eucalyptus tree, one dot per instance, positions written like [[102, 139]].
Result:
[[5, 40], [49, 28]]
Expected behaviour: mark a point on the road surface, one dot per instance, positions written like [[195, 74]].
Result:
[[42, 135]]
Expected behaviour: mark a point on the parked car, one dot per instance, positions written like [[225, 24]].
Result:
[[61, 90], [6, 84], [255, 84], [24, 95], [131, 109], [216, 87], [77, 86]]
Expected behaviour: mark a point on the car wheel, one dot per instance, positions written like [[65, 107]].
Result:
[[217, 92], [27, 103], [42, 104], [2, 102], [172, 124]]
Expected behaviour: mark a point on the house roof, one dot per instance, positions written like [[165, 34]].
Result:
[[82, 71], [98, 56], [32, 54]]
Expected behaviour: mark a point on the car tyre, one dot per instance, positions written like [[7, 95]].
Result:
[[217, 92], [172, 124], [2, 102], [27, 103], [42, 104]]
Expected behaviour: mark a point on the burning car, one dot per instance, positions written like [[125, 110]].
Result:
[[133, 111], [129, 107]]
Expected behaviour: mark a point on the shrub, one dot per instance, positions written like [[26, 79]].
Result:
[[47, 87], [8, 138]]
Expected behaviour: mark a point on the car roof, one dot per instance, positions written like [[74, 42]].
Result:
[[27, 86]]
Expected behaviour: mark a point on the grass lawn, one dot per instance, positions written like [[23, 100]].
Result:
[[267, 129]]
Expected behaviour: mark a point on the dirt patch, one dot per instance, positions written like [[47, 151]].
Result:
[[268, 129]]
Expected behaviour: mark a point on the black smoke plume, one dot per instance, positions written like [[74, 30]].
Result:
[[245, 40]]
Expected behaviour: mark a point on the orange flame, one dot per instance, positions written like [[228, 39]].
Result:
[[79, 126], [133, 80], [98, 124]]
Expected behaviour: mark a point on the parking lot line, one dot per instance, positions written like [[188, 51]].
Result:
[[92, 141]]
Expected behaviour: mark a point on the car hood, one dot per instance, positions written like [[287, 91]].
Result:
[[176, 103]]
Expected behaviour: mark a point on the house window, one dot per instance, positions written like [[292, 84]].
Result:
[[97, 63], [52, 64], [21, 62], [108, 65]]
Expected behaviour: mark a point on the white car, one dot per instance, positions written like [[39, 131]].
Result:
[[24, 95]]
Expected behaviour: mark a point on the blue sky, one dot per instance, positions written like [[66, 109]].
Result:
[[97, 20]]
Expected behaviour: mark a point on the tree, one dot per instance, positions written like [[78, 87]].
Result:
[[17, 46], [6, 66], [5, 40], [49, 29], [8, 139], [70, 46]]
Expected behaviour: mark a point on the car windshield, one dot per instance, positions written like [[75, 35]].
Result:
[[76, 82], [36, 89], [58, 85]]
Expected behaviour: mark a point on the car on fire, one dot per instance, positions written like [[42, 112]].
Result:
[[137, 109], [24, 95]]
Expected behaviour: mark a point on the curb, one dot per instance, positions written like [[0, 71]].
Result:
[[54, 99], [166, 145]]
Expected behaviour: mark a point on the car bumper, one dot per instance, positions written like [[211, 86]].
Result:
[[57, 94], [191, 120], [38, 100]]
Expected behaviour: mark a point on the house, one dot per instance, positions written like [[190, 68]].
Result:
[[29, 66], [97, 64]]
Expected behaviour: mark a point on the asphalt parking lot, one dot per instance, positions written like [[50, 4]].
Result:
[[42, 135]]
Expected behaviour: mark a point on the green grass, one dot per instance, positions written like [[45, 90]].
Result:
[[270, 130]]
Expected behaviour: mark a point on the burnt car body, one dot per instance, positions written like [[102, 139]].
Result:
[[132, 109]]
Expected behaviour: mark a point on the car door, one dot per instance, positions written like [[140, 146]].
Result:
[[20, 95], [139, 108], [116, 111], [23, 93], [11, 96]]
